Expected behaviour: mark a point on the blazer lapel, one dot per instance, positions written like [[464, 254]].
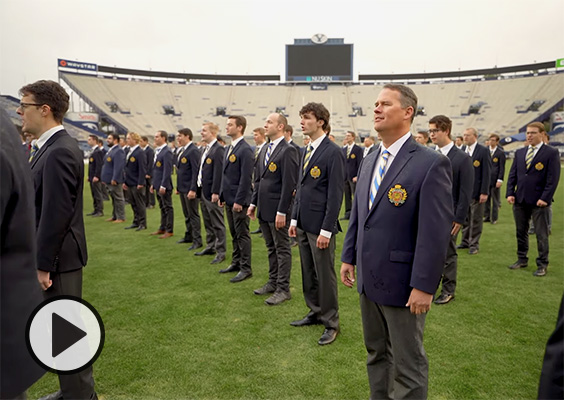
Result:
[[42, 150], [320, 149], [400, 160]]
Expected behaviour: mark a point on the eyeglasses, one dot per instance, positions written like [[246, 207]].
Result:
[[24, 105], [431, 131]]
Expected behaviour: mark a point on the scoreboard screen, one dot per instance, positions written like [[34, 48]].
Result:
[[319, 62]]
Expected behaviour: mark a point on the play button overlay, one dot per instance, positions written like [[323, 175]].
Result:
[[65, 334]]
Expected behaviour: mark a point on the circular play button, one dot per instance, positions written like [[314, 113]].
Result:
[[65, 334]]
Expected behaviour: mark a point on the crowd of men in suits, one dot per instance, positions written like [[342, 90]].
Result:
[[297, 193]]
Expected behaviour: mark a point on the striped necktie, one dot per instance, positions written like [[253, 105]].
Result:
[[349, 148], [307, 156], [468, 151], [378, 178], [257, 151], [529, 157], [34, 149], [268, 153], [202, 161], [229, 151]]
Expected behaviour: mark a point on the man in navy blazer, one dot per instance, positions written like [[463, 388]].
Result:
[[135, 171], [149, 159], [273, 193], [113, 177], [95, 162], [482, 163], [440, 128], [398, 237], [235, 194], [532, 182], [188, 164], [315, 220], [162, 184], [210, 175], [353, 156], [57, 169], [496, 179]]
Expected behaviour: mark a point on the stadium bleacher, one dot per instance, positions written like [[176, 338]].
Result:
[[505, 104]]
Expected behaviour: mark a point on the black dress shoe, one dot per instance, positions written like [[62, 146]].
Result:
[[487, 220], [444, 298], [256, 231], [217, 259], [518, 264], [132, 226], [58, 395], [231, 268], [540, 272], [98, 214], [205, 252], [90, 214], [473, 252], [307, 320], [462, 246], [195, 246], [241, 276], [328, 337], [277, 298], [183, 240], [141, 228]]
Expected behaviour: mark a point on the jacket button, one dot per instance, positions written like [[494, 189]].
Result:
[[366, 227]]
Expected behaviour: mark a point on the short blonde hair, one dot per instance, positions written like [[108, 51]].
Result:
[[212, 127], [135, 136]]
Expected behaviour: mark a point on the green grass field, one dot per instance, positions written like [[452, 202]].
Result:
[[177, 329]]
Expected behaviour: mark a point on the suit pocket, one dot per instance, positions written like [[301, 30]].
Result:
[[401, 256]]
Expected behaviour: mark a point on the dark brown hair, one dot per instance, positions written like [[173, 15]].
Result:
[[186, 132], [319, 112], [442, 122], [50, 93], [239, 121]]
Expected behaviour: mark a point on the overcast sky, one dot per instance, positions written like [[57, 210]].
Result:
[[249, 37]]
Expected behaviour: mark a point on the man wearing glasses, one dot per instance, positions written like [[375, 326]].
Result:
[[58, 173]]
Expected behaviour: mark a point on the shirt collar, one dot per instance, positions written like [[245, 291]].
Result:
[[47, 135], [446, 149], [538, 146], [397, 145], [315, 144], [277, 141], [161, 147], [209, 146], [236, 141], [472, 147], [133, 148]]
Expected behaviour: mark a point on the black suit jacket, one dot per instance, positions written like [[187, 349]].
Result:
[[149, 159], [498, 166], [162, 169], [19, 288], [237, 175], [539, 182], [353, 161], [187, 169], [58, 176], [401, 242], [212, 171], [135, 168], [320, 189], [275, 183], [95, 163], [482, 163], [462, 182]]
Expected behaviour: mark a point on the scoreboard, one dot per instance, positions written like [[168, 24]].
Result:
[[319, 59]]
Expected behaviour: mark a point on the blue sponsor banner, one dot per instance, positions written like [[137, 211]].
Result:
[[62, 63]]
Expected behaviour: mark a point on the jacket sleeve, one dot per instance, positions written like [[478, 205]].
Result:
[[195, 165], [552, 177], [335, 191], [142, 168], [502, 160], [119, 166], [289, 179], [512, 178], [466, 180], [486, 172], [217, 169], [243, 196], [348, 254], [168, 161]]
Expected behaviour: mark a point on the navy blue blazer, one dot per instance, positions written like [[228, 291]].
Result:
[[539, 182], [237, 175], [187, 169], [95, 163], [401, 242], [212, 171], [353, 161], [114, 164], [162, 169], [482, 162], [149, 159], [275, 183], [462, 182], [135, 168], [58, 175], [498, 166], [320, 189]]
